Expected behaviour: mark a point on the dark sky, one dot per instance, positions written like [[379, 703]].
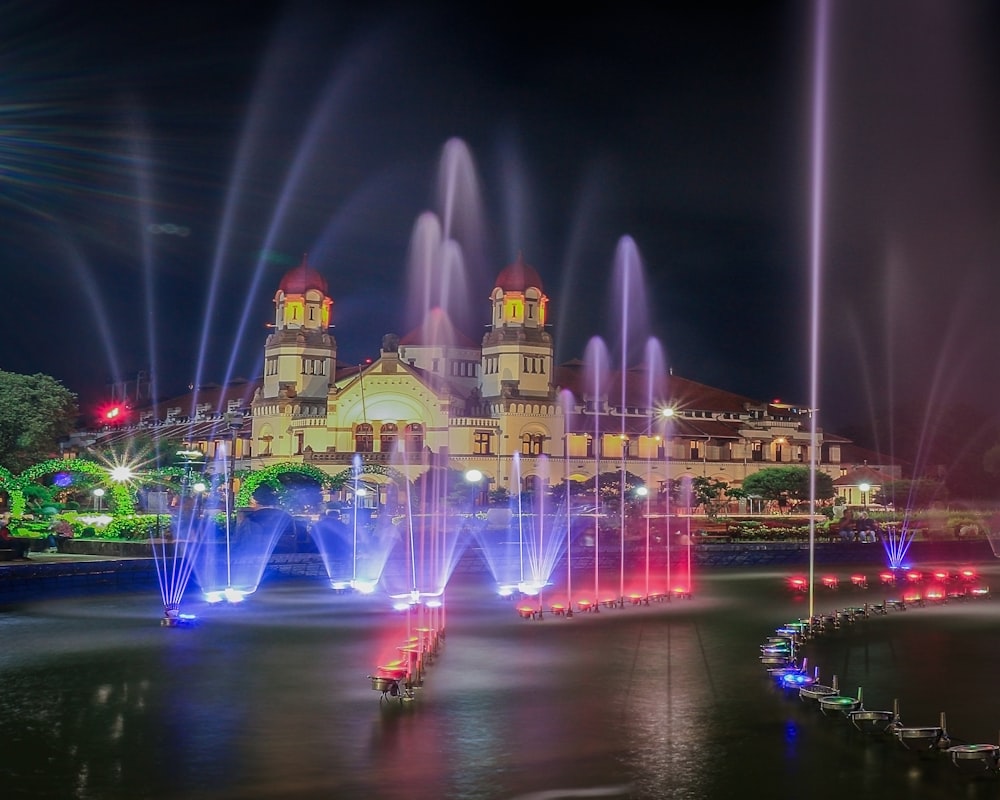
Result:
[[256, 132]]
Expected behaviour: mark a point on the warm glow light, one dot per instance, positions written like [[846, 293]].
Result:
[[473, 476], [121, 474], [667, 412]]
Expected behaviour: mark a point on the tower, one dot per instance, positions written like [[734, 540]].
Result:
[[300, 362], [517, 350], [300, 357]]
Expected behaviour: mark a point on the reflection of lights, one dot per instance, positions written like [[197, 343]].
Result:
[[414, 597], [364, 587], [229, 595]]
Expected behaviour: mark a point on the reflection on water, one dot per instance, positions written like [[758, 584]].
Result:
[[270, 699]]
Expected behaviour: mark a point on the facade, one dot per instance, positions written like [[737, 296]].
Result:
[[435, 398]]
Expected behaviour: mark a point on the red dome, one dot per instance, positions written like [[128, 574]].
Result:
[[301, 279], [518, 276]]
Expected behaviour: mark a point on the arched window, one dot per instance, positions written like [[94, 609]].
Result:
[[388, 434], [364, 438], [531, 444], [414, 437]]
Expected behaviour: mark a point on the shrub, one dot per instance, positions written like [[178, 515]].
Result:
[[137, 527]]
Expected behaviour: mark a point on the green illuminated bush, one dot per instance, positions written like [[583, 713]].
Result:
[[137, 527]]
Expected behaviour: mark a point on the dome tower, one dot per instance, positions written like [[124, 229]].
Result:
[[517, 350]]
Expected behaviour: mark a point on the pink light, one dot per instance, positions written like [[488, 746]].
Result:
[[887, 577], [831, 581], [968, 574], [859, 580], [914, 577]]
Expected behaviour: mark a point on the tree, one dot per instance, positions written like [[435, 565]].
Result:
[[709, 492], [789, 486], [36, 413], [920, 493]]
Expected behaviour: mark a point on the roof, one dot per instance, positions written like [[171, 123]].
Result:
[[437, 330], [865, 474], [518, 276], [645, 391], [301, 279], [217, 427]]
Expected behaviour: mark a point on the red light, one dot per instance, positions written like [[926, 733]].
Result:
[[831, 581], [887, 577], [859, 580], [113, 414], [914, 577]]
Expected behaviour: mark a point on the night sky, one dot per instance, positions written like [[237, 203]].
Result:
[[163, 164]]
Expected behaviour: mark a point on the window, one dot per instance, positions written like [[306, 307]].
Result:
[[364, 438], [531, 444], [481, 441], [387, 437], [414, 437]]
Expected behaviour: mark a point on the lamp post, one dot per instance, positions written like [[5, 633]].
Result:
[[98, 498], [865, 487], [234, 421], [473, 477]]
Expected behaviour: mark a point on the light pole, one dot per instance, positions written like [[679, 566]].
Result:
[[473, 477], [98, 498], [865, 487], [235, 422]]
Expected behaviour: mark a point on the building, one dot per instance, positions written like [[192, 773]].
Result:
[[502, 407]]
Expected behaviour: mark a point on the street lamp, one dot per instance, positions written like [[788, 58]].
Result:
[[98, 498], [865, 487], [473, 477]]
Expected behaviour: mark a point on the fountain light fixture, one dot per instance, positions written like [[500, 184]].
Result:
[[229, 595], [403, 602]]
